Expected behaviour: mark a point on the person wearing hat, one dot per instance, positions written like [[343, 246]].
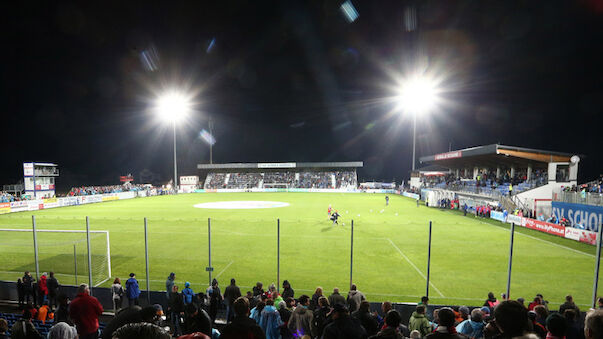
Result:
[[187, 293], [132, 290], [343, 326]]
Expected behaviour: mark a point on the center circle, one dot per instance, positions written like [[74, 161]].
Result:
[[241, 205]]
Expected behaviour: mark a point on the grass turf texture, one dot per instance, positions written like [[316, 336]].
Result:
[[469, 255]]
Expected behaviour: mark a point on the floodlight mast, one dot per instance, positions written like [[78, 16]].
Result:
[[173, 107], [417, 95]]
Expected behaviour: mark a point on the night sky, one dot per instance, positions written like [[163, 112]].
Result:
[[293, 81]]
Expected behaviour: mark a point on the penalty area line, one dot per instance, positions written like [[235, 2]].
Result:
[[415, 267]]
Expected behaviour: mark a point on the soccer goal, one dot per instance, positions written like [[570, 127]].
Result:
[[64, 252]]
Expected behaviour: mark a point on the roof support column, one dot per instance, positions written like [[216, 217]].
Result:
[[497, 172], [529, 175], [512, 172], [475, 171]]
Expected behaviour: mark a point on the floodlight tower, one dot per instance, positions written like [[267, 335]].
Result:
[[173, 107], [418, 95]]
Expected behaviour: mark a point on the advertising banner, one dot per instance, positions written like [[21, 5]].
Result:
[[588, 237], [449, 155], [496, 215], [572, 233], [545, 227], [514, 219], [109, 197], [34, 205], [127, 195], [28, 169], [18, 206], [51, 203], [4, 207], [588, 216], [410, 195]]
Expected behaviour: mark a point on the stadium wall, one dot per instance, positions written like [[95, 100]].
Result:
[[304, 190]]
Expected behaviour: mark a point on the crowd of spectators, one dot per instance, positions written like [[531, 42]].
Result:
[[595, 186], [288, 179], [8, 197], [267, 313], [92, 190]]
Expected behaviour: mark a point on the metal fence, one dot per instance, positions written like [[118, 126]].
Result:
[[152, 248], [579, 198]]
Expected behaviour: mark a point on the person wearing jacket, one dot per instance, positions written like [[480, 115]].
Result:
[[367, 320], [343, 326], [176, 310], [84, 310], [354, 299], [336, 298], [300, 322], [288, 292], [418, 321], [187, 293], [117, 292], [27, 281], [43, 288], [256, 312], [472, 327], [491, 302], [392, 325], [169, 284], [53, 290], [132, 290], [321, 317], [446, 329], [270, 321], [242, 326], [231, 294]]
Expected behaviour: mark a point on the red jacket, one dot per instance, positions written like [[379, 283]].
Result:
[[42, 285], [85, 310]]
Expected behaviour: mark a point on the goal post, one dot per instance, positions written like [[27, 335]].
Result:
[[63, 252]]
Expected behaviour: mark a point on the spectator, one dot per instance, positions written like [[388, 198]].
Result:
[[126, 316], [215, 299], [231, 294], [197, 320], [336, 298], [141, 330], [257, 289], [473, 327], [556, 326], [343, 326], [391, 329], [24, 329], [176, 310], [84, 311], [3, 329], [367, 320], [42, 289], [270, 321], [132, 290], [424, 301], [44, 313], [20, 293], [61, 314], [169, 284], [187, 293], [27, 287], [62, 331], [301, 318], [314, 301], [600, 303], [574, 329], [491, 302], [354, 299], [321, 317], [242, 326], [510, 318], [256, 312], [117, 292], [53, 290], [593, 325], [569, 304], [285, 309], [537, 301], [538, 329], [418, 321], [386, 306], [287, 290], [445, 328], [541, 315]]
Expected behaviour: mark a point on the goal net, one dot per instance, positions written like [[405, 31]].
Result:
[[63, 252]]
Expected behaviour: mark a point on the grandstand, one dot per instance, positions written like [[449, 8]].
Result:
[[289, 175]]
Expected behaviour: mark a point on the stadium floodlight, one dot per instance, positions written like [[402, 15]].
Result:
[[417, 95], [173, 107]]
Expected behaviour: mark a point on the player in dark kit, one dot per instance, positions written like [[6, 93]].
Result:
[[334, 217], [386, 200]]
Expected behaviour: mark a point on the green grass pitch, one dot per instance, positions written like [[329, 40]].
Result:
[[469, 255]]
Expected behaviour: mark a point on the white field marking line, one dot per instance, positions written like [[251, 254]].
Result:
[[224, 269], [545, 241], [100, 283], [415, 267]]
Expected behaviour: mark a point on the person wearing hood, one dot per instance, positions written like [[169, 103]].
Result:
[[472, 327], [169, 284], [300, 322], [354, 299], [132, 290], [43, 289], [62, 331], [287, 290], [491, 302], [418, 321], [215, 299], [187, 293], [270, 321]]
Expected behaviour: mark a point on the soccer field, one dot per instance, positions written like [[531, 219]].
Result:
[[469, 255]]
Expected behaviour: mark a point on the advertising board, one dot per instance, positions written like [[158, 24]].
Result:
[[18, 206], [589, 216], [514, 219], [545, 227], [496, 215], [4, 207]]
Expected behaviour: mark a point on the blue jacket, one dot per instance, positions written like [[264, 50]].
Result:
[[255, 315], [132, 290], [270, 322], [471, 329], [188, 295]]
